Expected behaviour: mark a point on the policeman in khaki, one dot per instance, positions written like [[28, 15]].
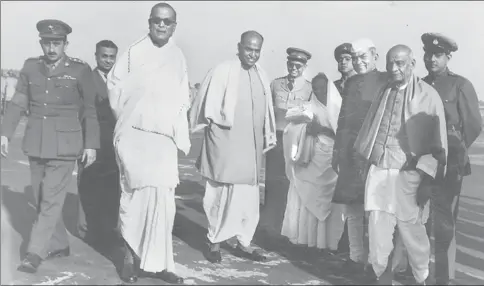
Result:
[[287, 91], [53, 88]]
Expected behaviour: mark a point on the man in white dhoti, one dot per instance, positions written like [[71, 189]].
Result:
[[403, 138], [149, 95], [310, 217], [235, 107]]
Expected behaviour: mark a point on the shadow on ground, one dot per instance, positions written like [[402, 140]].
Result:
[[321, 265]]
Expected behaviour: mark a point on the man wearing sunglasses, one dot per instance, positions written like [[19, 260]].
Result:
[[54, 88], [358, 94], [148, 92], [288, 91]]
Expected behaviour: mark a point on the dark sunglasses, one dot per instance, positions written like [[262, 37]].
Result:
[[166, 21], [296, 65]]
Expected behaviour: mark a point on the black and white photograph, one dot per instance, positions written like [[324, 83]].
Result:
[[242, 143]]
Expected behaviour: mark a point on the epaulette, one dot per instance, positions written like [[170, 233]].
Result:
[[34, 59], [458, 76], [282, 77], [76, 60]]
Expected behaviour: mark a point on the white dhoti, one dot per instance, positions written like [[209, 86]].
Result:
[[390, 198], [232, 210], [147, 216], [147, 203]]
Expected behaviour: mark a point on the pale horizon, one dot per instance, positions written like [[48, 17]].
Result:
[[208, 32]]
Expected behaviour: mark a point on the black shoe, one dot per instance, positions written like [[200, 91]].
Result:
[[213, 256], [255, 255], [58, 253], [166, 276], [128, 273], [30, 263], [369, 275]]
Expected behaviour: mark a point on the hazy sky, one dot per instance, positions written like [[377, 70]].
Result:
[[208, 32]]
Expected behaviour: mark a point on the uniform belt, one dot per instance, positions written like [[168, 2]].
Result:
[[53, 111]]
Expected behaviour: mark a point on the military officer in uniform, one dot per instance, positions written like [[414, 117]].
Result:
[[54, 88], [342, 55], [288, 91], [464, 124]]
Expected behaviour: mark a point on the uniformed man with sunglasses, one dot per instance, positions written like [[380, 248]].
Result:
[[288, 91], [54, 88]]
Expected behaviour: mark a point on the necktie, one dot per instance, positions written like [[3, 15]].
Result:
[[290, 85]]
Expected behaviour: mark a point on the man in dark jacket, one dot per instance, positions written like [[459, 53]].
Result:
[[98, 185], [358, 93], [464, 124]]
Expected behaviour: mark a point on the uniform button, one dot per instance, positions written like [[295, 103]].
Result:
[[46, 91], [45, 104], [446, 100], [48, 78], [45, 117]]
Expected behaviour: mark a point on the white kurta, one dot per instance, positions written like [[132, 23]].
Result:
[[148, 92]]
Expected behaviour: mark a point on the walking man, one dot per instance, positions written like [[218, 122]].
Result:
[[98, 186], [234, 106], [149, 94], [54, 88]]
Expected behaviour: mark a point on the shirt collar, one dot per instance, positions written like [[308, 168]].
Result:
[[103, 75]]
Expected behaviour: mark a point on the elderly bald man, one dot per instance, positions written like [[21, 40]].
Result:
[[358, 93], [403, 139], [234, 106]]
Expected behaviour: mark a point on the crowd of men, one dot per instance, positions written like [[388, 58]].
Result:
[[400, 148]]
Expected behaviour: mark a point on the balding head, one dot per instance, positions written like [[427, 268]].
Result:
[[251, 35], [400, 64], [162, 5], [162, 23], [249, 47]]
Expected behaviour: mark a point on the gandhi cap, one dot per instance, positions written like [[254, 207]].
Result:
[[342, 49], [54, 29], [300, 55], [360, 45], [438, 43]]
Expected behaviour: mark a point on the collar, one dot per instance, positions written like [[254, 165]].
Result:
[[103, 75], [344, 77], [56, 64], [442, 74]]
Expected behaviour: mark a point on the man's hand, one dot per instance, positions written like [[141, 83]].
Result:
[[424, 190], [4, 146], [314, 128], [88, 157]]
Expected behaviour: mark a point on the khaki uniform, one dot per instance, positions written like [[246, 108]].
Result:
[[54, 137]]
